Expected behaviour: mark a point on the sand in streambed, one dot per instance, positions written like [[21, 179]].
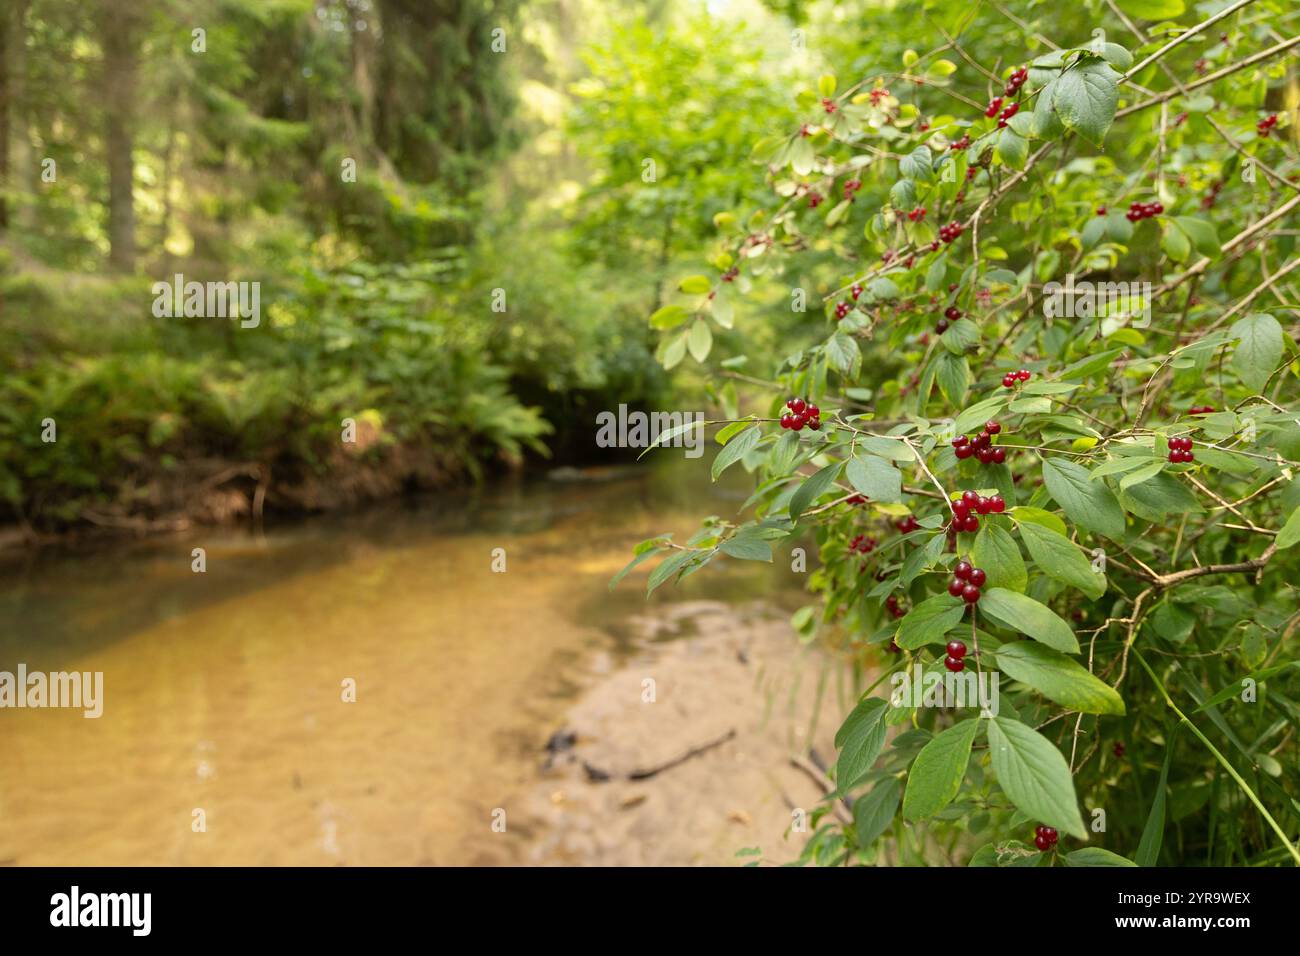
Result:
[[740, 670]]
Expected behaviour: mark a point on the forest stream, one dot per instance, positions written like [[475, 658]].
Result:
[[225, 737]]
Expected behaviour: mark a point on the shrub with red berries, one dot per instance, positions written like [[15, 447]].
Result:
[[1123, 547]]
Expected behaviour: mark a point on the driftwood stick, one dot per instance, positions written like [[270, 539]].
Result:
[[693, 752]]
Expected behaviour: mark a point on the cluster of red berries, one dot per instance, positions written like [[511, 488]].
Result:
[[1180, 451], [855, 290], [950, 232], [1045, 837], [1009, 380], [950, 314], [1266, 124], [863, 544], [800, 414], [981, 447], [814, 199], [851, 188], [970, 501], [965, 584], [730, 274], [829, 105], [891, 605], [842, 309], [917, 214], [907, 525], [1007, 113], [1137, 211], [994, 105], [960, 143], [1016, 80], [1200, 410], [955, 661]]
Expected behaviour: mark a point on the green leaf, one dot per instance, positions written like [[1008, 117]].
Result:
[[813, 488], [696, 285], [997, 553], [747, 548], [1024, 514], [1153, 9], [873, 813], [1159, 496], [1087, 503], [929, 621], [643, 556], [1085, 97], [1290, 533], [917, 165], [953, 375], [937, 772], [1095, 856], [843, 353], [667, 568], [1175, 242], [735, 450], [1057, 557], [728, 431], [1011, 149], [1259, 351], [1058, 678], [978, 414], [1202, 234], [669, 317], [701, 340], [860, 740], [1153, 832], [877, 479], [1024, 614], [1034, 775]]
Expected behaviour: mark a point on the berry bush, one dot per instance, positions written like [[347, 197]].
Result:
[[1097, 505]]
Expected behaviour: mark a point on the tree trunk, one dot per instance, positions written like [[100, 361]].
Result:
[[119, 29]]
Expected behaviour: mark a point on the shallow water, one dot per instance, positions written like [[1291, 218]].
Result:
[[223, 690]]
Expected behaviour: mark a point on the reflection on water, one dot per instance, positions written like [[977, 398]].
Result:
[[223, 690]]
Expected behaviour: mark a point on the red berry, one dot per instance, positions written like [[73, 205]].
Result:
[[1042, 843], [977, 577], [984, 505], [985, 455], [941, 326], [960, 440], [970, 497], [814, 411], [954, 664], [956, 649], [960, 510], [787, 421], [964, 451], [970, 524], [999, 505], [999, 455], [796, 405], [993, 428], [961, 571], [955, 587], [970, 594]]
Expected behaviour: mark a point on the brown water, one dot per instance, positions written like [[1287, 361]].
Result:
[[223, 690]]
